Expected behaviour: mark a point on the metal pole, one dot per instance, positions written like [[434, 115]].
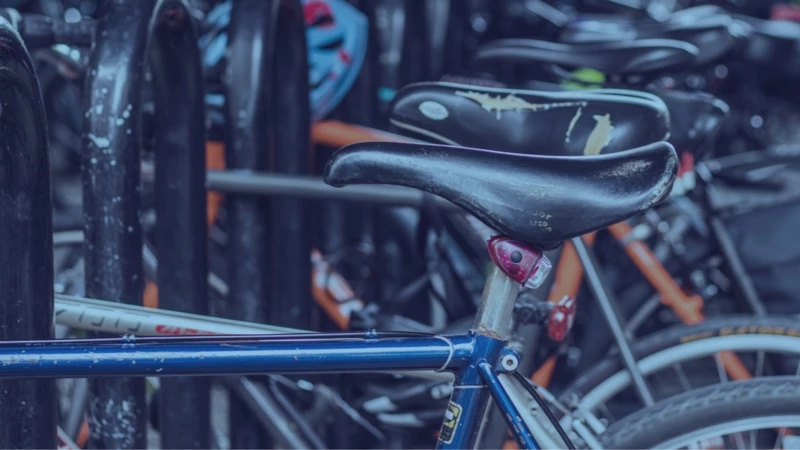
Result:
[[272, 184], [269, 412], [181, 236], [111, 201], [602, 295], [741, 278], [290, 294], [27, 407], [247, 92], [348, 224]]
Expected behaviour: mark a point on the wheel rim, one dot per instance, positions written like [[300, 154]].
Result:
[[760, 344]]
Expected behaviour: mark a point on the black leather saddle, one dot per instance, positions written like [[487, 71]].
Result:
[[637, 57], [558, 123], [713, 35], [618, 23], [695, 118], [541, 200], [774, 45]]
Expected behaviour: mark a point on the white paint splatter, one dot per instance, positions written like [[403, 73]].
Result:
[[99, 142], [600, 135], [573, 122], [511, 103]]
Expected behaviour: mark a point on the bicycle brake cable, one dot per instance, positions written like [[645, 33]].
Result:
[[531, 388]]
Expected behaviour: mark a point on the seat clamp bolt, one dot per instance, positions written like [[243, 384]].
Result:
[[509, 362]]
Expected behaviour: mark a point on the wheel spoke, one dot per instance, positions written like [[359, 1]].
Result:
[[778, 438], [682, 378], [760, 363], [740, 441], [723, 375]]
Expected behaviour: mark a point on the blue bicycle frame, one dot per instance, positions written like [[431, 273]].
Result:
[[475, 359]]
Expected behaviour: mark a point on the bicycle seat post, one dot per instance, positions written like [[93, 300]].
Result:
[[497, 305], [515, 264]]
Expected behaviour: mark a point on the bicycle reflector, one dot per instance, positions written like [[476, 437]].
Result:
[[521, 262], [561, 318]]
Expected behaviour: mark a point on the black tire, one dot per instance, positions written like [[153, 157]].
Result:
[[702, 408], [676, 335]]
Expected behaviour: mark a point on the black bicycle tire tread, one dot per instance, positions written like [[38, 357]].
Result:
[[675, 335], [704, 407]]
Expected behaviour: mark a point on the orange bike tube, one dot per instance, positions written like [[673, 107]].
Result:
[[687, 307], [339, 134], [215, 160], [83, 434], [569, 274]]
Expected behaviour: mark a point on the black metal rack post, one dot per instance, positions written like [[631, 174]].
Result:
[[110, 169], [180, 197], [248, 85], [27, 407], [290, 154]]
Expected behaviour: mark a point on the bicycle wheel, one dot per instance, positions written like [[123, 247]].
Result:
[[682, 358], [759, 413]]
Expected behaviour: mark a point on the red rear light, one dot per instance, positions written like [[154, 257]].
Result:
[[561, 318], [523, 263]]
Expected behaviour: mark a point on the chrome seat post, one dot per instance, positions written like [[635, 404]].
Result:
[[497, 305], [514, 264]]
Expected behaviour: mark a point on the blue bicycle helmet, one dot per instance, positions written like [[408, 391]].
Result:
[[336, 36]]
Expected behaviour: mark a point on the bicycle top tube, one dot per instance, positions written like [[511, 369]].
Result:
[[233, 355]]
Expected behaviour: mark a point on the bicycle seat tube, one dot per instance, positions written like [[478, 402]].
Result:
[[470, 397]]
